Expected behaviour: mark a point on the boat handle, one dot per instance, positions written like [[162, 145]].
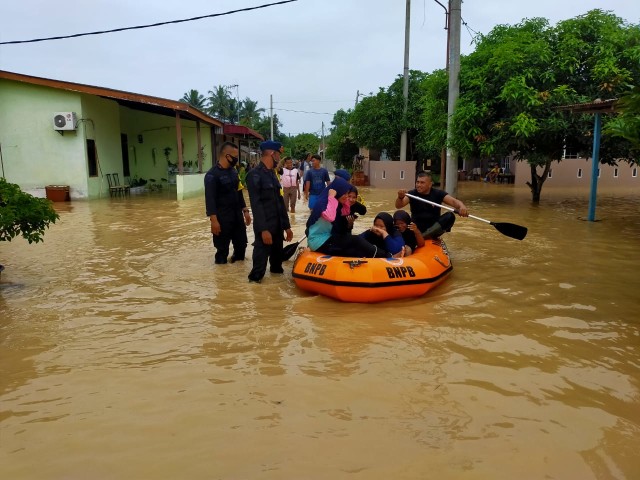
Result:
[[437, 259], [354, 263]]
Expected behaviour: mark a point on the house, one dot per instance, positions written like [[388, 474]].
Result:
[[55, 132]]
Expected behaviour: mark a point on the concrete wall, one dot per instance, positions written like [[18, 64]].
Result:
[[190, 185], [577, 173], [33, 153], [388, 174]]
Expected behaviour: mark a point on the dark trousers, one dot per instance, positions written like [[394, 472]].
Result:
[[347, 245], [235, 234], [263, 253], [444, 224]]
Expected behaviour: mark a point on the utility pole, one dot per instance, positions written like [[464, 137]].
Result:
[[357, 96], [455, 17], [323, 142], [271, 109], [443, 153], [405, 84]]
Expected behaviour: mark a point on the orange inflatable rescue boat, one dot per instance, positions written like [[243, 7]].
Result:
[[370, 280]]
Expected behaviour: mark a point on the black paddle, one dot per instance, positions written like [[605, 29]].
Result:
[[289, 250], [509, 229]]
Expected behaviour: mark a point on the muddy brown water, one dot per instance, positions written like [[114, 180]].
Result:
[[126, 354]]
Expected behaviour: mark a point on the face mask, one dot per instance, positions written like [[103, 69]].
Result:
[[232, 160]]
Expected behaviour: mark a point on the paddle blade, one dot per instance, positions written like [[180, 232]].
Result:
[[511, 230], [289, 250]]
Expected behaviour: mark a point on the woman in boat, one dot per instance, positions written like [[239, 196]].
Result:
[[384, 234], [334, 201], [408, 229]]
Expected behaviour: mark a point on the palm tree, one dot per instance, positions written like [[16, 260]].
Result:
[[220, 103], [250, 113], [195, 99]]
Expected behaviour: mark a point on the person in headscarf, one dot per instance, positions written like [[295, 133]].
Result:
[[344, 224], [384, 234], [408, 229], [331, 202]]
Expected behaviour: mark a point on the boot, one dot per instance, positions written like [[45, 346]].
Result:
[[434, 231]]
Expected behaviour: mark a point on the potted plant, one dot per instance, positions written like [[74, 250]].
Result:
[[137, 185]]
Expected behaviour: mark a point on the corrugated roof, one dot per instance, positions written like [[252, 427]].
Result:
[[132, 100], [597, 106], [230, 129]]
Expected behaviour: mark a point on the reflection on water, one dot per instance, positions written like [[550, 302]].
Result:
[[124, 353]]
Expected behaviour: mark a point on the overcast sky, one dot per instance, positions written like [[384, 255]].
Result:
[[311, 55]]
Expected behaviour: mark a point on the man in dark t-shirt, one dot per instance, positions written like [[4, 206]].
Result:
[[426, 216]]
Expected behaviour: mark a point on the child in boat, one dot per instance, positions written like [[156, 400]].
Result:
[[410, 232], [320, 223], [344, 224], [384, 234]]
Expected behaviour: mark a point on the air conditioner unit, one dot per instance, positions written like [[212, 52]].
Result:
[[64, 121]]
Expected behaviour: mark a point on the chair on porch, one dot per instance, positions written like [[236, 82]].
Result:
[[126, 189], [114, 185]]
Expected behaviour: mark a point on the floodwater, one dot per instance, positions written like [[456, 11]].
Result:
[[126, 354]]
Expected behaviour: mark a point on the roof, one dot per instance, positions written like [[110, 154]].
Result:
[[135, 101], [238, 130], [597, 106]]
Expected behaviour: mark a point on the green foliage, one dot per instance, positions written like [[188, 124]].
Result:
[[626, 125], [195, 99], [301, 144], [23, 214], [340, 146], [377, 121], [518, 76]]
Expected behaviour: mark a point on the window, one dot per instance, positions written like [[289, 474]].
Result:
[[92, 158], [615, 173], [579, 173], [550, 173], [401, 174], [384, 174], [634, 172]]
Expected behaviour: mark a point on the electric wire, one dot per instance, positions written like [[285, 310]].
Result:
[[158, 24]]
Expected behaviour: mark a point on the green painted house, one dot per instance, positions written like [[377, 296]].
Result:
[[55, 132]]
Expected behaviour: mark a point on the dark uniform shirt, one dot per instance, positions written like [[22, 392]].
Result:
[[423, 214], [222, 197], [267, 204]]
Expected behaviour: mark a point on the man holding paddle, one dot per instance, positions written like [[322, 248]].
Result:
[[426, 215]]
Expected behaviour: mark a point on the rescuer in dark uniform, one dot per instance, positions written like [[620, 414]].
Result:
[[226, 207], [270, 218]]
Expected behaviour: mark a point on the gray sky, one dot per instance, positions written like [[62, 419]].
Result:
[[311, 55]]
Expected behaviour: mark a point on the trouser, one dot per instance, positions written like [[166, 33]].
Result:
[[234, 233], [263, 253], [312, 201], [444, 224], [347, 245], [290, 197]]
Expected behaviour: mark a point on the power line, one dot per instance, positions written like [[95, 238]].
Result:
[[302, 111], [317, 101], [76, 35]]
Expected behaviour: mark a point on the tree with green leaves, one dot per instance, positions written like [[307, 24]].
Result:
[[250, 113], [627, 125], [377, 121], [340, 146], [513, 83], [23, 214], [195, 99], [301, 144]]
